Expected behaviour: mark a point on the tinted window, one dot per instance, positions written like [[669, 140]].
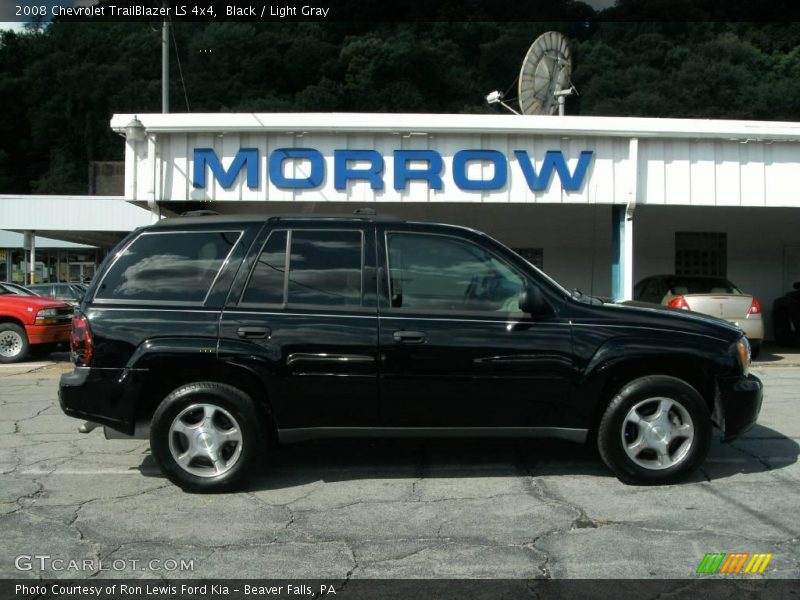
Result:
[[650, 293], [173, 266], [433, 272], [266, 282], [325, 268]]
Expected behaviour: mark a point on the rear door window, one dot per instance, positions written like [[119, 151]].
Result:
[[324, 269], [168, 266], [268, 279]]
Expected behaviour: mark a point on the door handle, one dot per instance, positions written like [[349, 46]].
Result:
[[253, 332], [410, 337]]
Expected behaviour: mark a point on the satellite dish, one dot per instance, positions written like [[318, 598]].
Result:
[[544, 79]]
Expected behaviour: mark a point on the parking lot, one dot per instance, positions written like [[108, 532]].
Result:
[[389, 509]]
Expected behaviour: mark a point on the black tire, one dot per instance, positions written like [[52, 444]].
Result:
[[610, 430], [755, 350], [227, 399], [14, 345]]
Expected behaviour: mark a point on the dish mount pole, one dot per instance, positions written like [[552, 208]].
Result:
[[165, 64]]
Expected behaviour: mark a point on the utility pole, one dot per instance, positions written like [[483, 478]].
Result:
[[165, 64]]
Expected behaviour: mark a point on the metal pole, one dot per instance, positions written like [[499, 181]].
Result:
[[165, 65], [33, 257]]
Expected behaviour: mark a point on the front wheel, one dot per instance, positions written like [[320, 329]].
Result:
[[13, 343], [207, 437], [656, 430]]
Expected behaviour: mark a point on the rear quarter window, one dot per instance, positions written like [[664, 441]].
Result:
[[170, 266]]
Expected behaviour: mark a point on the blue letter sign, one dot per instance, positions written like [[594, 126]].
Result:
[[553, 160], [316, 173], [498, 180], [343, 172], [207, 156], [432, 173]]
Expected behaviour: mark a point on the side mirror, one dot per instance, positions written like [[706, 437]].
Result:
[[531, 301]]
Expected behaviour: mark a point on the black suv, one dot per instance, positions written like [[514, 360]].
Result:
[[219, 334]]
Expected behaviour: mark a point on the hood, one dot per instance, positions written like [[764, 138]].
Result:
[[37, 302], [657, 315]]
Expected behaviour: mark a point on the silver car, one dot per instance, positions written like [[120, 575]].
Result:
[[715, 296]]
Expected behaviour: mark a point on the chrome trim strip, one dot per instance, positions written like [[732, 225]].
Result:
[[499, 321], [229, 312], [322, 357], [289, 436], [187, 310]]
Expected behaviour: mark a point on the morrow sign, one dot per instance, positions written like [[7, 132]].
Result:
[[369, 165]]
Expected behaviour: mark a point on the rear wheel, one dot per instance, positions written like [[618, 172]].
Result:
[[207, 437], [656, 430], [13, 343]]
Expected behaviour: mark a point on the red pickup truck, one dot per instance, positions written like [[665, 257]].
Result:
[[27, 321]]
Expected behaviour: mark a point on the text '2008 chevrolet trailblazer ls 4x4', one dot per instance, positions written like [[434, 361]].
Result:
[[216, 334]]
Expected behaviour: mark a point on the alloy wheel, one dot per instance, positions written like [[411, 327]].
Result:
[[205, 440], [657, 433]]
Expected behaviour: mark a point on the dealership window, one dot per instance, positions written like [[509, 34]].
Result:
[[266, 283], [701, 253], [442, 273], [325, 268], [172, 266]]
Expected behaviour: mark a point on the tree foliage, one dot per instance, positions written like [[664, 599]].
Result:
[[59, 85]]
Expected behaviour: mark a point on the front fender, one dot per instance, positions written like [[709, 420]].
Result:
[[696, 350]]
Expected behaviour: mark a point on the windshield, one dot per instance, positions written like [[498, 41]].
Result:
[[701, 285]]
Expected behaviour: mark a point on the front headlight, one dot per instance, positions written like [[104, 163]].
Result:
[[46, 316], [743, 351]]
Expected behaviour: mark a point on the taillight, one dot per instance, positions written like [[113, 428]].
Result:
[[80, 341], [679, 302], [755, 307]]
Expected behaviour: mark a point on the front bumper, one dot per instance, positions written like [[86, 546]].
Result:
[[48, 334], [105, 396], [737, 404]]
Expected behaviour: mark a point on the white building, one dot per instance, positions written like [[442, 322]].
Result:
[[599, 202]]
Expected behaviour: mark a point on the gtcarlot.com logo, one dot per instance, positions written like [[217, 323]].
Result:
[[45, 562], [720, 563]]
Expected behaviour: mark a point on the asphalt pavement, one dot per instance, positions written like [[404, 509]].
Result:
[[388, 509]]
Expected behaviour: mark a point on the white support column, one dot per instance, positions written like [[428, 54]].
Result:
[[33, 257], [152, 200], [627, 254], [627, 250]]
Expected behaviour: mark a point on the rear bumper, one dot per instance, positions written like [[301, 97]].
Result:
[[105, 396], [48, 334], [752, 328], [738, 404]]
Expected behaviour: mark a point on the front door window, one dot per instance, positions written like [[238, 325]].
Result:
[[442, 273]]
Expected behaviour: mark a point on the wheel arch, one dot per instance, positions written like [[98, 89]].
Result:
[[167, 375], [13, 320], [608, 378]]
